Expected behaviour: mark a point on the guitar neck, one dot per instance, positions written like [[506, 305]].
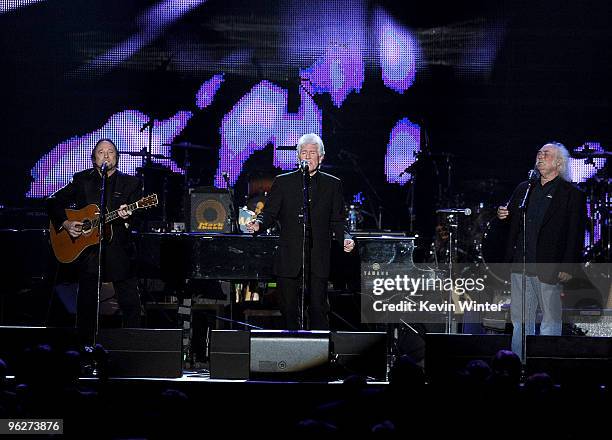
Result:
[[113, 215]]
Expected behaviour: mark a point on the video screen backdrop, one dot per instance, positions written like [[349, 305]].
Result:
[[473, 88]]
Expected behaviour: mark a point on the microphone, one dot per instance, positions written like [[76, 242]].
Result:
[[304, 166], [104, 167], [226, 178], [465, 211], [533, 174]]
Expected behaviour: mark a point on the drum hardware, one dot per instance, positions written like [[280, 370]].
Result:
[[452, 221], [188, 146], [599, 203], [373, 194]]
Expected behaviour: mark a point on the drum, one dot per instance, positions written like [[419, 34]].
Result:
[[491, 249]]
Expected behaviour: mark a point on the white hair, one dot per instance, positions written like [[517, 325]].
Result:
[[563, 157], [311, 139]]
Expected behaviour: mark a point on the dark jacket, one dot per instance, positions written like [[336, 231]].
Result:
[[84, 189], [561, 235], [284, 203]]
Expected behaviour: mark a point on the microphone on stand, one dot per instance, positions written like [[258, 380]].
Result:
[[226, 178], [304, 166], [534, 174], [465, 211], [104, 167]]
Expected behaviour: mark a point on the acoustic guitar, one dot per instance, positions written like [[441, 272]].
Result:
[[67, 248]]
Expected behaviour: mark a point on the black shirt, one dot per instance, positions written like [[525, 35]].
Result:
[[539, 202]]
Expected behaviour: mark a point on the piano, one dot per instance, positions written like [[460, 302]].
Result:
[[177, 257], [193, 255]]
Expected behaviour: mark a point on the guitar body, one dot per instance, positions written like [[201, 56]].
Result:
[[67, 248]]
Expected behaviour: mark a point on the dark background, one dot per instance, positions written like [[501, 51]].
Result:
[[548, 80]]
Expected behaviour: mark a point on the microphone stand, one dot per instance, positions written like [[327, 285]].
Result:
[[523, 208], [453, 228], [306, 244], [233, 215], [101, 230]]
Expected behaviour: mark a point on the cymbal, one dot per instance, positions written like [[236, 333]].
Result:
[[189, 145], [143, 153]]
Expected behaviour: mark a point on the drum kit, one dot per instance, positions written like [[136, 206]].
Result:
[[481, 237], [598, 192], [171, 187]]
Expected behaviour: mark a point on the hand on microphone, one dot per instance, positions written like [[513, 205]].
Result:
[[502, 212]]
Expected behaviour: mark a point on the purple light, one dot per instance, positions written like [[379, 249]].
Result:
[[208, 90], [56, 168], [260, 118], [338, 72], [9, 5], [580, 170], [152, 23], [404, 144], [310, 28], [480, 50], [398, 52]]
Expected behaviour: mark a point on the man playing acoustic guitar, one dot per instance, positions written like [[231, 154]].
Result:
[[83, 190]]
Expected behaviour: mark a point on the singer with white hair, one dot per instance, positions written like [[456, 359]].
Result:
[[285, 204], [554, 237], [85, 189]]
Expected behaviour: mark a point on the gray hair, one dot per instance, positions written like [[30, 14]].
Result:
[[308, 139], [563, 156]]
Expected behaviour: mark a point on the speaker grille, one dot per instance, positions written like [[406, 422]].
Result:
[[210, 210]]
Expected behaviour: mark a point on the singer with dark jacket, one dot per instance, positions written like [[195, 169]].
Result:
[[555, 225], [121, 190], [285, 204]]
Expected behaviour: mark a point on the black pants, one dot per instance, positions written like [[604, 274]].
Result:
[[316, 304], [127, 297]]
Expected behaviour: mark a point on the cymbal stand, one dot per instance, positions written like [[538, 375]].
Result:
[[453, 227]]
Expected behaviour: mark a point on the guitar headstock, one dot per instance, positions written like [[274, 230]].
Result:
[[148, 201]]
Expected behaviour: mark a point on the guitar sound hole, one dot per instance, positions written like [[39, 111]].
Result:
[[86, 225]]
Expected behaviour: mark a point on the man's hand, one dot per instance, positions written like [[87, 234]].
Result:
[[73, 227], [253, 226], [123, 212], [502, 212], [564, 277], [348, 245]]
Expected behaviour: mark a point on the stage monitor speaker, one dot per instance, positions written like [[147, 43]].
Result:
[[363, 353], [139, 352], [571, 360], [229, 354], [210, 210], [445, 354], [289, 355]]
